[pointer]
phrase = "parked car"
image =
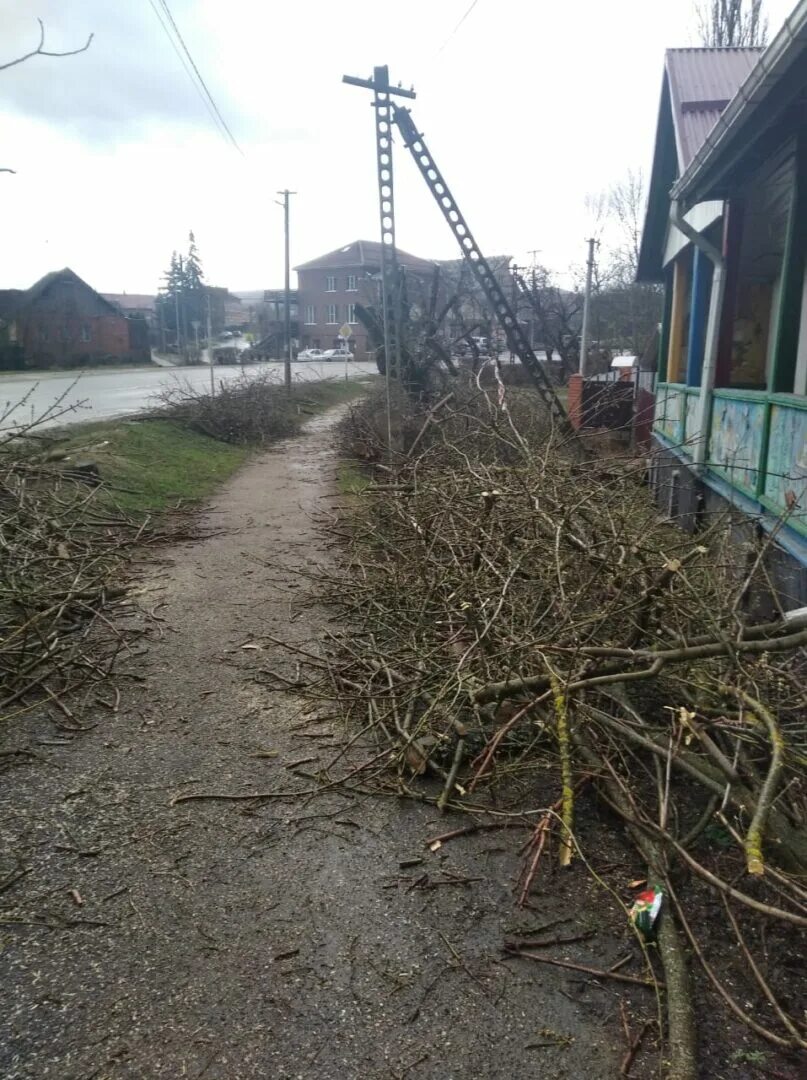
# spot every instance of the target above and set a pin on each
(336, 354)
(226, 354)
(311, 354)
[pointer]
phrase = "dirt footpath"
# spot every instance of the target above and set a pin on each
(294, 937)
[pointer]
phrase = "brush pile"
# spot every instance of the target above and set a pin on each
(511, 602)
(63, 545)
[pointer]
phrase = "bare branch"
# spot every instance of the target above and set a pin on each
(40, 50)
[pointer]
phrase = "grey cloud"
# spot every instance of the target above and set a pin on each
(128, 79)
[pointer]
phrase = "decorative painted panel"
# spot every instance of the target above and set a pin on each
(669, 413)
(737, 435)
(691, 421)
(786, 481)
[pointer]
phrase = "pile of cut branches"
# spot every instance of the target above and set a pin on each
(252, 409)
(63, 544)
(508, 600)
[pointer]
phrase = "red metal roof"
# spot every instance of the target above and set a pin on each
(702, 82)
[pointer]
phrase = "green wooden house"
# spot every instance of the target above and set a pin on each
(726, 231)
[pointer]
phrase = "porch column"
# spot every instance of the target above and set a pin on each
(701, 283)
(664, 340)
(790, 299)
(679, 292)
(732, 240)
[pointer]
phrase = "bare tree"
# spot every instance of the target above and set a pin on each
(626, 205)
(732, 23)
(624, 313)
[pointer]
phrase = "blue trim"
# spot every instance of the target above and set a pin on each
(701, 287)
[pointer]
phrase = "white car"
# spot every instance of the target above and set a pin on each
(311, 354)
(336, 354)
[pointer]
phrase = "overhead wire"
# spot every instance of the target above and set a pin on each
(456, 28)
(193, 71)
(184, 63)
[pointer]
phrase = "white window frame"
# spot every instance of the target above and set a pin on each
(330, 283)
(351, 283)
(332, 315)
(350, 317)
(86, 332)
(310, 315)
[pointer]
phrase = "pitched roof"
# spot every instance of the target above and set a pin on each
(39, 288)
(702, 82)
(362, 253)
(131, 301)
(9, 301)
(776, 84)
(697, 86)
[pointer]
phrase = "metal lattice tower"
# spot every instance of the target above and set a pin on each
(383, 106)
(516, 338)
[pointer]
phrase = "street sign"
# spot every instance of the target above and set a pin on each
(345, 331)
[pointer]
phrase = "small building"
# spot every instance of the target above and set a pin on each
(61, 322)
(135, 305)
(726, 232)
(330, 287)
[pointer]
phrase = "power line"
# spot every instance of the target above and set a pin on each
(233, 140)
(184, 63)
(456, 28)
(193, 72)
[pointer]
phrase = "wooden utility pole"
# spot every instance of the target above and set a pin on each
(586, 306)
(210, 346)
(287, 286)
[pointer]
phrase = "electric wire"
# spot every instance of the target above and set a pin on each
(190, 67)
(224, 124)
(456, 28)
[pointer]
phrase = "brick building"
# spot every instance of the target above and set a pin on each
(330, 287)
(62, 322)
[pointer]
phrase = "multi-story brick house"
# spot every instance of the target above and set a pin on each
(330, 287)
(62, 322)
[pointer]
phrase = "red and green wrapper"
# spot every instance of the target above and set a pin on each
(646, 910)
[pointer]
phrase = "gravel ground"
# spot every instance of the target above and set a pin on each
(238, 940)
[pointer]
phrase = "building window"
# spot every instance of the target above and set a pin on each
(86, 333)
(333, 314)
(330, 284)
(351, 315)
(43, 334)
(310, 315)
(351, 283)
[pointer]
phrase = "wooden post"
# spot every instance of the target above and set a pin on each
(701, 284)
(675, 373)
(790, 297)
(732, 241)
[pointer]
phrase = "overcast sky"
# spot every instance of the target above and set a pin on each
(527, 107)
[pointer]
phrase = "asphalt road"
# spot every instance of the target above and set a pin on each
(98, 395)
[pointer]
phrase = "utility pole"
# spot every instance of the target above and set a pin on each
(210, 347)
(390, 282)
(535, 252)
(586, 306)
(176, 306)
(287, 285)
(514, 298)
